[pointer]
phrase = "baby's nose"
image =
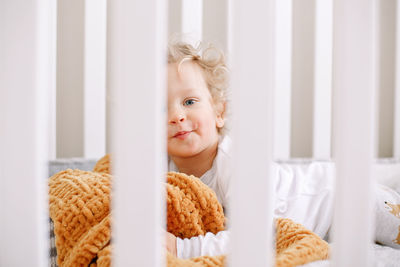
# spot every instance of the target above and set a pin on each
(177, 118)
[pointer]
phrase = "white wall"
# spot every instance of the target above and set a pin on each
(81, 70)
(386, 83)
(215, 22)
(302, 78)
(70, 67)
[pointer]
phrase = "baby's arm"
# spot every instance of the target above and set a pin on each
(170, 243)
(210, 245)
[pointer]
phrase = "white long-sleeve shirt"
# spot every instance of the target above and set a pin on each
(305, 198)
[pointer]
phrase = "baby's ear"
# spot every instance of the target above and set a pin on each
(220, 114)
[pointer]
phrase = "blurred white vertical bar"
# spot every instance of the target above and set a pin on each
(136, 74)
(396, 134)
(252, 85)
(192, 20)
(94, 79)
(283, 78)
(323, 79)
(354, 91)
(26, 67)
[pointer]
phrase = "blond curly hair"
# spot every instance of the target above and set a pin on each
(211, 61)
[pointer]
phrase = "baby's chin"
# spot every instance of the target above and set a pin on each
(182, 155)
(182, 152)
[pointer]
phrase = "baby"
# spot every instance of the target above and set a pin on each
(198, 145)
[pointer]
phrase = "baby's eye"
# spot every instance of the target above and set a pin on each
(189, 102)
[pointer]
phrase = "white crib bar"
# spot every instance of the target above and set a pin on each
(94, 75)
(354, 85)
(136, 73)
(192, 20)
(26, 69)
(323, 80)
(283, 78)
(396, 134)
(252, 83)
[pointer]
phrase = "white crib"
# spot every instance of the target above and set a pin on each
(264, 41)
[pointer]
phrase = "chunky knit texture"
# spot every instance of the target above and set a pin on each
(103, 165)
(191, 207)
(80, 209)
(295, 245)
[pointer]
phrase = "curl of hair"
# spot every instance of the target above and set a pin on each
(212, 62)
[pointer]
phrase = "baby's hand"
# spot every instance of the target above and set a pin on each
(170, 243)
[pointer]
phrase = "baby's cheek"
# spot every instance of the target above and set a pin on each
(209, 126)
(169, 147)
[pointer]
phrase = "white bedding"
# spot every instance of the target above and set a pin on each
(386, 172)
(383, 257)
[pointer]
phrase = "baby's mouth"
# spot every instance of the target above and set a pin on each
(182, 134)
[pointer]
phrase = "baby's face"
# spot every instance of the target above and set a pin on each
(192, 119)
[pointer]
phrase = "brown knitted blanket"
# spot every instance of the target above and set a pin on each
(80, 210)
